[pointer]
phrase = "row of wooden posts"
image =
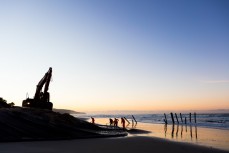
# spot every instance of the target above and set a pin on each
(185, 120)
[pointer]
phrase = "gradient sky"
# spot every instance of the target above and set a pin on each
(117, 54)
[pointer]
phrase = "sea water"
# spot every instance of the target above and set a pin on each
(210, 120)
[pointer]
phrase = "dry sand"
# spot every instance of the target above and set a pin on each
(105, 145)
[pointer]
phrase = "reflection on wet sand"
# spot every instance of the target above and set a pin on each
(203, 136)
(177, 130)
(181, 131)
(196, 131)
(172, 133)
(165, 129)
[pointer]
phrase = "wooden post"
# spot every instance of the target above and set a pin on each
(176, 118)
(181, 118)
(165, 119)
(190, 117)
(172, 117)
(185, 121)
(134, 119)
(195, 116)
(126, 120)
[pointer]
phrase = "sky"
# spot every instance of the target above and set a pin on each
(117, 54)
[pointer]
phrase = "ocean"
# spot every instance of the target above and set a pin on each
(210, 120)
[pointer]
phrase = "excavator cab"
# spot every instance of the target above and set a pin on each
(41, 99)
(37, 104)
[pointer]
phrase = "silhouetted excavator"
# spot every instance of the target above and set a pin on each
(41, 99)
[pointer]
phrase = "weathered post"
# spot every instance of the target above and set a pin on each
(134, 119)
(176, 118)
(165, 119)
(172, 117)
(190, 117)
(126, 120)
(195, 116)
(181, 118)
(185, 121)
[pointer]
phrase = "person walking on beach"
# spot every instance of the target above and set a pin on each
(111, 121)
(115, 122)
(92, 120)
(123, 122)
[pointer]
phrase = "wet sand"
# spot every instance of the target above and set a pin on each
(215, 138)
(106, 145)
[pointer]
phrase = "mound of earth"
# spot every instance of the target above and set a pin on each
(21, 124)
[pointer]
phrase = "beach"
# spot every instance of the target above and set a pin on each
(190, 133)
(144, 138)
(135, 144)
(114, 76)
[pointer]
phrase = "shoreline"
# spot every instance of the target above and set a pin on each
(191, 134)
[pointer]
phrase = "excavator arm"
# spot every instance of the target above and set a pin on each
(41, 84)
(48, 80)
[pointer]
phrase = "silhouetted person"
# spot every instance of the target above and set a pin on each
(111, 121)
(123, 122)
(92, 120)
(115, 122)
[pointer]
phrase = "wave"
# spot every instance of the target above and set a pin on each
(204, 120)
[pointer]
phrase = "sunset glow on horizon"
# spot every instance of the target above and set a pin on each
(117, 55)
